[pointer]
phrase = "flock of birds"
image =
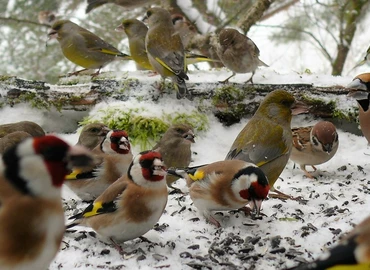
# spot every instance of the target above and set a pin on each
(128, 193)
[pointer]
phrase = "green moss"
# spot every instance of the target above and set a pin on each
(4, 78)
(145, 131)
(227, 95)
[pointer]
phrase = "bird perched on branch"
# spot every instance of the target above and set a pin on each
(266, 140)
(351, 253)
(175, 148)
(31, 215)
(132, 205)
(129, 4)
(84, 48)
(165, 50)
(238, 53)
(112, 159)
(361, 85)
(136, 32)
(92, 135)
(224, 185)
(314, 145)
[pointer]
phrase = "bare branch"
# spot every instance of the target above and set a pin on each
(24, 21)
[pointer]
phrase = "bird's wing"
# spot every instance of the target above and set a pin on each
(86, 172)
(172, 60)
(106, 202)
(97, 44)
(259, 148)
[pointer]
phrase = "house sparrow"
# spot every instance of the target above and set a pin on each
(92, 135)
(112, 159)
(266, 140)
(12, 139)
(314, 145)
(46, 17)
(238, 53)
(84, 48)
(225, 185)
(175, 148)
(165, 50)
(129, 4)
(27, 126)
(136, 32)
(183, 28)
(132, 205)
(351, 253)
(361, 84)
(31, 216)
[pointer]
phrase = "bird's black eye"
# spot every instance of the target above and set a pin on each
(315, 142)
(57, 27)
(126, 24)
(95, 130)
(149, 13)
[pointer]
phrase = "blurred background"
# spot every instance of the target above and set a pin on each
(309, 36)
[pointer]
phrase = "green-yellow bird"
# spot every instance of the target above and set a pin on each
(136, 32)
(266, 140)
(165, 49)
(84, 48)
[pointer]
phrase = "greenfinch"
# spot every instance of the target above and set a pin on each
(136, 32)
(175, 148)
(84, 48)
(92, 4)
(238, 53)
(165, 50)
(266, 140)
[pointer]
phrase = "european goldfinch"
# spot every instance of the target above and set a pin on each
(84, 48)
(314, 145)
(175, 148)
(266, 140)
(92, 135)
(225, 185)
(165, 49)
(132, 205)
(353, 252)
(238, 53)
(31, 213)
(112, 159)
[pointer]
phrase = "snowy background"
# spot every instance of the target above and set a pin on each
(290, 232)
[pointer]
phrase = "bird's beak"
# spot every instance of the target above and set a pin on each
(52, 34)
(299, 107)
(357, 84)
(159, 168)
(256, 206)
(327, 148)
(120, 28)
(189, 136)
(124, 143)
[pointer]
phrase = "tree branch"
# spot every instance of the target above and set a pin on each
(24, 21)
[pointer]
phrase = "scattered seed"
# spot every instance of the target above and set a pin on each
(159, 257)
(185, 254)
(342, 168)
(82, 236)
(252, 240)
(275, 241)
(335, 231)
(199, 266)
(278, 250)
(105, 252)
(247, 249)
(194, 247)
(141, 257)
(194, 219)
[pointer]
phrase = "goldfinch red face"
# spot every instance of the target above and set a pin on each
(252, 185)
(38, 164)
(116, 141)
(147, 169)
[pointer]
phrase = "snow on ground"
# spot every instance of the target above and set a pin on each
(290, 231)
